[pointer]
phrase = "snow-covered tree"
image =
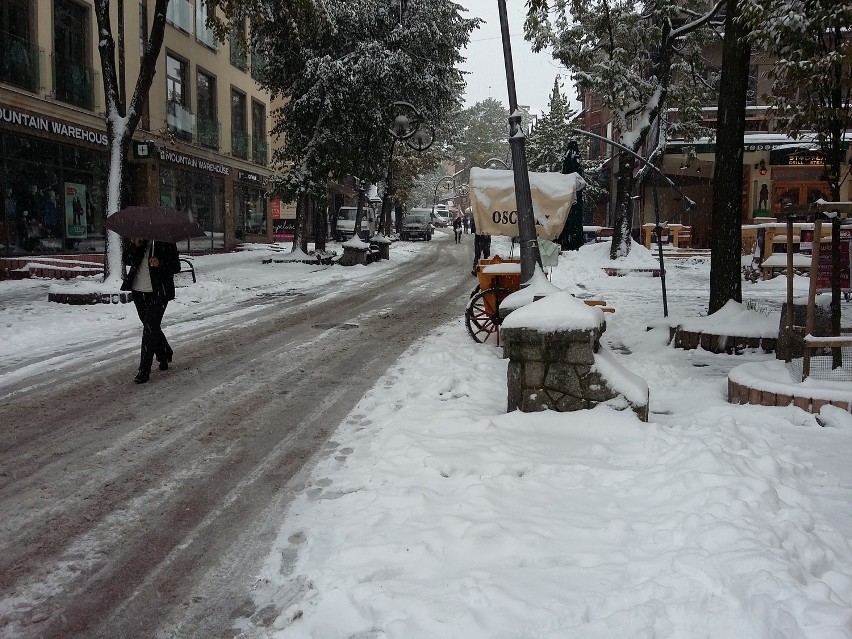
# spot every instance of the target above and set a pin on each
(638, 58)
(484, 134)
(812, 74)
(548, 140)
(340, 78)
(122, 117)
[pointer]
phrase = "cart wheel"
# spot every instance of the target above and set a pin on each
(474, 291)
(481, 316)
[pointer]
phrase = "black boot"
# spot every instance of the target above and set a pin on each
(142, 376)
(164, 365)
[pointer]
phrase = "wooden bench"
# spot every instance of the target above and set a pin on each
(600, 304)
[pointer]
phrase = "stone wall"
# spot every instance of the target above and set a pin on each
(556, 371)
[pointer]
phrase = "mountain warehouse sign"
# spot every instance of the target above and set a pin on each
(38, 123)
(194, 163)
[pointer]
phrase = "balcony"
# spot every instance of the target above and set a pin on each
(208, 132)
(259, 150)
(179, 14)
(19, 62)
(180, 120)
(203, 33)
(239, 144)
(73, 82)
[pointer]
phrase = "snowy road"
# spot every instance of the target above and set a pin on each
(132, 511)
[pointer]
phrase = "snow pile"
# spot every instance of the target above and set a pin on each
(734, 319)
(558, 311)
(439, 516)
(539, 286)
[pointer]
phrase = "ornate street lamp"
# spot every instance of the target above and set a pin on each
(530, 256)
(410, 127)
(491, 162)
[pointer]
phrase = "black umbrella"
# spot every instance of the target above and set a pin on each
(154, 223)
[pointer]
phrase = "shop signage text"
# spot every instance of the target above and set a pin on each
(52, 126)
(194, 163)
(248, 176)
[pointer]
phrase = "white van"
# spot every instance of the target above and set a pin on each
(345, 225)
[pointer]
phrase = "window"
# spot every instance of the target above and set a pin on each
(179, 14)
(73, 78)
(203, 33)
(258, 132)
(239, 57)
(18, 52)
(180, 118)
(208, 125)
(239, 135)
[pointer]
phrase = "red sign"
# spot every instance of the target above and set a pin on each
(276, 209)
(825, 266)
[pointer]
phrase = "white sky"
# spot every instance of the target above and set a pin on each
(534, 72)
(434, 513)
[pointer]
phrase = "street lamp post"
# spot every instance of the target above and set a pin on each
(410, 127)
(451, 183)
(530, 256)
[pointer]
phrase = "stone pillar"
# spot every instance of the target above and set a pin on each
(564, 368)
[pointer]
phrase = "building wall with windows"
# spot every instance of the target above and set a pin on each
(202, 145)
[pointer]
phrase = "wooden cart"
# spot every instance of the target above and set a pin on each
(498, 278)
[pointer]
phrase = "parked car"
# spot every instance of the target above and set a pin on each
(345, 225)
(416, 225)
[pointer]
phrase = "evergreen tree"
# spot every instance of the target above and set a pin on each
(547, 142)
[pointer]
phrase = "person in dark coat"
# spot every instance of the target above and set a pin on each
(481, 246)
(457, 229)
(151, 278)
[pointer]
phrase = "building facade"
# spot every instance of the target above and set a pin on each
(779, 172)
(202, 145)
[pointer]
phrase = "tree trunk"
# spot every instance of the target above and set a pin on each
(320, 225)
(121, 118)
(301, 232)
(623, 207)
(726, 217)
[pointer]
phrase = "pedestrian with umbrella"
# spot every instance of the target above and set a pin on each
(152, 256)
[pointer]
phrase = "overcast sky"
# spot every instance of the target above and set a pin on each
(534, 72)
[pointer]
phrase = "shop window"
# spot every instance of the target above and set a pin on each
(207, 122)
(73, 78)
(258, 133)
(251, 211)
(181, 120)
(787, 195)
(18, 52)
(53, 196)
(239, 133)
(203, 197)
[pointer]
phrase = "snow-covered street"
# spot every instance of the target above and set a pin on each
(429, 511)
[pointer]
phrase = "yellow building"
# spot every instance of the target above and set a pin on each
(202, 145)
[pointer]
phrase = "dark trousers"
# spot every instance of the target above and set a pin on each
(481, 248)
(151, 307)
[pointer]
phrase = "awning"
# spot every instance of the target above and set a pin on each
(492, 199)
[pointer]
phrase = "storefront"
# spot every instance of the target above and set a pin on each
(196, 186)
(796, 179)
(52, 176)
(250, 203)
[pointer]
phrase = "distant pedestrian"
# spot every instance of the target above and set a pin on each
(481, 246)
(151, 278)
(457, 228)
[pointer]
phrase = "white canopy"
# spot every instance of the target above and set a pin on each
(492, 198)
